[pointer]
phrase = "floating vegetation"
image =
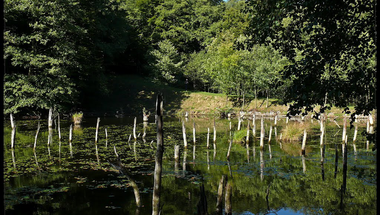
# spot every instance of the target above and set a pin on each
(51, 175)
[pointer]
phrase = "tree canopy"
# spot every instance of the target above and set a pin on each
(306, 53)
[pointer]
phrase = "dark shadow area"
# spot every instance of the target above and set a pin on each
(129, 94)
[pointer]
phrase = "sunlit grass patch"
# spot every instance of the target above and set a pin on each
(294, 131)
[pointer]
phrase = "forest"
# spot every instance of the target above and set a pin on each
(57, 53)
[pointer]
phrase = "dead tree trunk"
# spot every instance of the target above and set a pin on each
(304, 141)
(158, 160)
(35, 139)
(13, 135)
(184, 134)
(97, 130)
(50, 120)
(344, 129)
(262, 134)
(194, 140)
(59, 128)
(134, 129)
(208, 137)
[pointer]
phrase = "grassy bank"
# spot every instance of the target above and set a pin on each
(130, 94)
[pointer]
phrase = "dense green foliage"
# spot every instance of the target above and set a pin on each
(60, 54)
(332, 47)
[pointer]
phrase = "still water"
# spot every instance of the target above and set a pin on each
(79, 179)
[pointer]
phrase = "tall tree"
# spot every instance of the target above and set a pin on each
(54, 50)
(337, 41)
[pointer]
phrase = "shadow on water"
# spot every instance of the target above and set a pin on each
(115, 175)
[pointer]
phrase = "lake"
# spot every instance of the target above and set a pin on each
(81, 179)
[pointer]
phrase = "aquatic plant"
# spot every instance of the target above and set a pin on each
(77, 118)
(293, 131)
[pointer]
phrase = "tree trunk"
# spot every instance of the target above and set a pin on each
(304, 141)
(158, 160)
(13, 135)
(97, 130)
(262, 134)
(184, 134)
(35, 139)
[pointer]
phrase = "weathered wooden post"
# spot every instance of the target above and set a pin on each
(134, 128)
(35, 139)
(304, 141)
(97, 130)
(70, 139)
(194, 140)
(214, 136)
(219, 199)
(275, 119)
(355, 133)
(227, 204)
(247, 138)
(322, 128)
(13, 134)
(184, 134)
(158, 160)
(59, 128)
(105, 131)
(239, 122)
(270, 134)
(262, 134)
(208, 137)
(50, 126)
(50, 136)
(344, 128)
(50, 118)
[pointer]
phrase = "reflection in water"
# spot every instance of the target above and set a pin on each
(261, 165)
(49, 151)
(176, 158)
(35, 158)
(336, 160)
(344, 183)
(120, 167)
(322, 161)
(184, 162)
(202, 204)
(208, 160)
(59, 150)
(282, 170)
(228, 201)
(134, 150)
(219, 200)
(70, 139)
(97, 154)
(13, 158)
(303, 164)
